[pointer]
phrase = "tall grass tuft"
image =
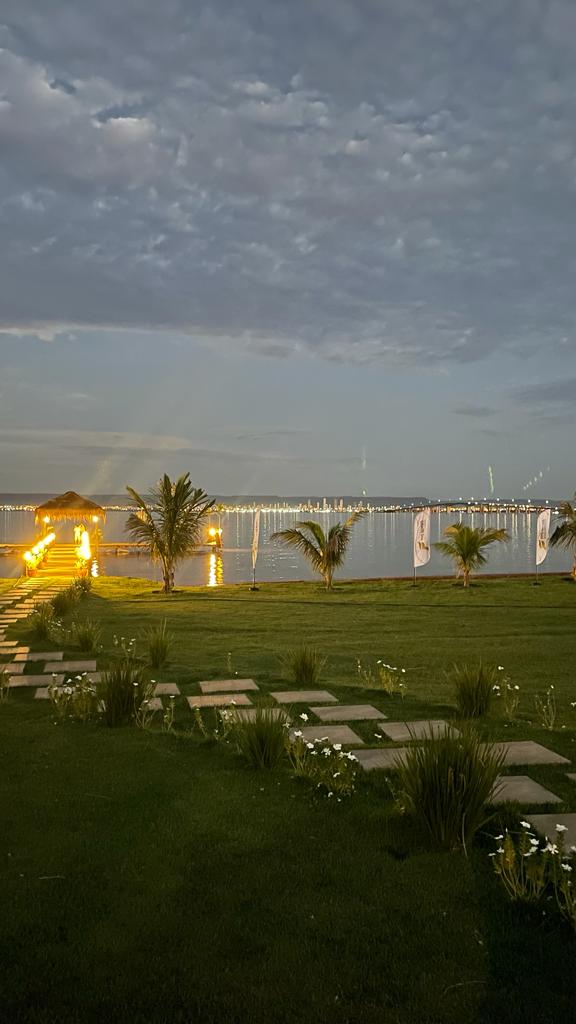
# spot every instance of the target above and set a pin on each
(86, 634)
(303, 665)
(122, 692)
(475, 687)
(41, 621)
(82, 585)
(446, 783)
(261, 739)
(65, 600)
(158, 642)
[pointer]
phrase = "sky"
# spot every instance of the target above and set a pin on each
(322, 246)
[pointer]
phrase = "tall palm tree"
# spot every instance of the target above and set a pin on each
(169, 522)
(324, 551)
(564, 535)
(465, 546)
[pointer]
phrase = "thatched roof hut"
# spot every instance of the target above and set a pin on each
(68, 506)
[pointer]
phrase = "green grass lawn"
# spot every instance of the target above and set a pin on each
(150, 877)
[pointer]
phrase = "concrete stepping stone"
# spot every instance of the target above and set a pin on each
(384, 758)
(304, 696)
(71, 666)
(41, 693)
(330, 733)
(8, 644)
(528, 752)
(227, 685)
(166, 690)
(249, 714)
(348, 712)
(40, 656)
(405, 731)
(14, 667)
(44, 680)
(155, 704)
(571, 776)
(521, 789)
(218, 700)
(545, 824)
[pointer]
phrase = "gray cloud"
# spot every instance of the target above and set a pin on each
(470, 409)
(555, 392)
(365, 182)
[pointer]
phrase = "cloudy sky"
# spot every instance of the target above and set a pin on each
(324, 245)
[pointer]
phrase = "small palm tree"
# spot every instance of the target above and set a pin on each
(169, 522)
(324, 551)
(465, 546)
(564, 535)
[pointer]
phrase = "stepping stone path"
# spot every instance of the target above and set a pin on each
(166, 690)
(528, 752)
(405, 731)
(218, 700)
(348, 713)
(227, 685)
(44, 680)
(249, 714)
(71, 666)
(545, 824)
(39, 656)
(330, 733)
(521, 789)
(304, 697)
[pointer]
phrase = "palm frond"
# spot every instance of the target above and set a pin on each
(294, 538)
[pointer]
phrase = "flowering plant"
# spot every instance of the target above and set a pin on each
(388, 677)
(509, 693)
(327, 766)
(528, 868)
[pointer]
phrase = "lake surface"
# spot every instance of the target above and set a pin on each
(381, 546)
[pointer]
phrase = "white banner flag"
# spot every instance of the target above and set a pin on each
(255, 538)
(542, 535)
(422, 538)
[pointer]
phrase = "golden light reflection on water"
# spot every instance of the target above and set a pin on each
(215, 570)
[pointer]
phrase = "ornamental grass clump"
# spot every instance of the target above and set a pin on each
(42, 620)
(86, 634)
(65, 600)
(262, 739)
(122, 692)
(82, 586)
(303, 665)
(329, 768)
(474, 686)
(446, 783)
(158, 641)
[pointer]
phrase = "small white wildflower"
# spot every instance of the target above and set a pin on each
(566, 867)
(491, 854)
(561, 828)
(526, 824)
(337, 746)
(310, 746)
(498, 837)
(330, 794)
(500, 849)
(533, 842)
(551, 848)
(304, 716)
(298, 734)
(500, 668)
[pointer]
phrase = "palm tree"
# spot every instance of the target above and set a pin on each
(324, 551)
(465, 546)
(169, 522)
(564, 535)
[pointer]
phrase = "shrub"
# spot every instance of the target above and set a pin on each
(42, 621)
(122, 692)
(303, 665)
(261, 739)
(474, 685)
(158, 643)
(86, 634)
(446, 783)
(325, 765)
(82, 586)
(64, 601)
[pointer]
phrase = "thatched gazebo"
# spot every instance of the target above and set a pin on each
(69, 507)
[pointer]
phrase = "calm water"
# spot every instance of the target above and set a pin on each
(381, 546)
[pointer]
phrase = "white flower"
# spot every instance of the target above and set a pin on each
(304, 716)
(526, 824)
(298, 734)
(403, 670)
(337, 746)
(566, 867)
(500, 849)
(310, 746)
(491, 854)
(550, 848)
(533, 841)
(500, 668)
(561, 828)
(498, 837)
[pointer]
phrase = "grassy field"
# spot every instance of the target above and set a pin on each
(156, 878)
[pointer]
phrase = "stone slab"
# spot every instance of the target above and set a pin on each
(218, 700)
(528, 752)
(546, 825)
(304, 697)
(7, 644)
(249, 714)
(41, 693)
(44, 680)
(521, 789)
(155, 704)
(571, 776)
(14, 667)
(71, 666)
(330, 733)
(40, 656)
(166, 690)
(403, 732)
(348, 713)
(227, 685)
(384, 758)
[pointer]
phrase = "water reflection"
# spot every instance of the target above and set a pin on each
(215, 570)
